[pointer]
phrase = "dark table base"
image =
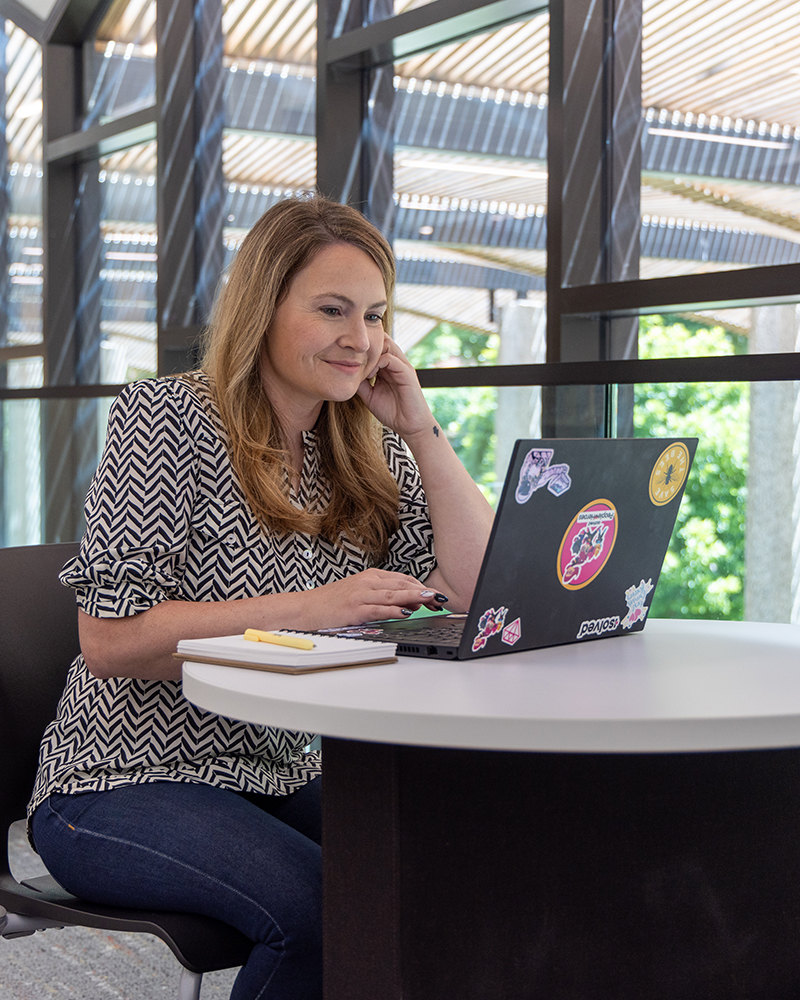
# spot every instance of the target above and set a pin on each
(481, 875)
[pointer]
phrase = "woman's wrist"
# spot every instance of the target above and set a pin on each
(425, 437)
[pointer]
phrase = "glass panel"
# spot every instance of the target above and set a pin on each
(259, 171)
(371, 11)
(50, 449)
(732, 553)
(400, 6)
(721, 136)
(21, 522)
(117, 312)
(467, 416)
(704, 572)
(771, 329)
(379, 10)
(22, 373)
(469, 125)
(766, 329)
(23, 85)
(482, 423)
(269, 150)
(283, 33)
(119, 64)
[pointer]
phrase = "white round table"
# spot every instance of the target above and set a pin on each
(611, 819)
(679, 685)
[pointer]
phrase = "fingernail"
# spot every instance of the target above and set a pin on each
(405, 611)
(427, 593)
(441, 598)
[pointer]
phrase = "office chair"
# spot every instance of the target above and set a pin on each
(38, 642)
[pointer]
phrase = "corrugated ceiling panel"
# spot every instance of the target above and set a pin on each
(283, 30)
(738, 58)
(515, 58)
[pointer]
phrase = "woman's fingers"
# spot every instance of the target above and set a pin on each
(393, 359)
(376, 594)
(393, 394)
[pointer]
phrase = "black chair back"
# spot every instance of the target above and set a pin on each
(38, 641)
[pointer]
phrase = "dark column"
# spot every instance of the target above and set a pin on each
(190, 203)
(355, 119)
(60, 76)
(89, 259)
(71, 306)
(594, 210)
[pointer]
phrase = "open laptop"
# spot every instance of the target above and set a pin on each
(575, 553)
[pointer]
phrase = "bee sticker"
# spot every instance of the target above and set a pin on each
(587, 544)
(669, 473)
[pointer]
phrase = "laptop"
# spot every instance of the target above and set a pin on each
(575, 552)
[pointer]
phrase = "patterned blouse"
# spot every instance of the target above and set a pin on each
(167, 520)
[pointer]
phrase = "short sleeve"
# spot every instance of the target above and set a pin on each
(138, 510)
(411, 546)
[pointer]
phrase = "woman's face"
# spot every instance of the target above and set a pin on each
(327, 333)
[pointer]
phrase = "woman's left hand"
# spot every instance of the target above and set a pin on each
(396, 398)
(460, 515)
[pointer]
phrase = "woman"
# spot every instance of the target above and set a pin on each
(260, 492)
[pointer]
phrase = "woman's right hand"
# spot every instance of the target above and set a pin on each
(372, 595)
(143, 645)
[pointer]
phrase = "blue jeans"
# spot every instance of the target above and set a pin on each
(253, 861)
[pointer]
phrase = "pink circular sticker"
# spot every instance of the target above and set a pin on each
(587, 544)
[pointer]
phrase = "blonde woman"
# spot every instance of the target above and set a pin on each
(298, 480)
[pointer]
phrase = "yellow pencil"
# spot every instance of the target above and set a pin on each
(254, 635)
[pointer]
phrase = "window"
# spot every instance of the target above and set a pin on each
(595, 223)
(720, 182)
(21, 330)
(119, 63)
(268, 146)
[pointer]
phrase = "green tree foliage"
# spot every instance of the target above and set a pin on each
(448, 345)
(704, 570)
(465, 414)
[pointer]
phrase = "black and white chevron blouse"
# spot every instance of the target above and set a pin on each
(167, 520)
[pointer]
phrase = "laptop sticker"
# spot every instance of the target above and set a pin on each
(587, 544)
(669, 473)
(598, 626)
(635, 598)
(537, 472)
(512, 632)
(491, 622)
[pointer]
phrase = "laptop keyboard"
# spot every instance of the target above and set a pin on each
(444, 633)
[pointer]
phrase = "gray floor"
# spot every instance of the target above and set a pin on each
(84, 964)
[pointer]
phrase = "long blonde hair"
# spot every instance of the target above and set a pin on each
(360, 502)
